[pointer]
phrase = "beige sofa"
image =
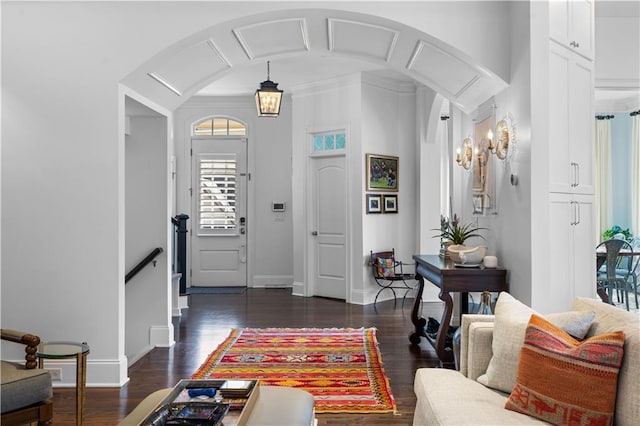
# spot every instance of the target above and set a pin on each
(449, 397)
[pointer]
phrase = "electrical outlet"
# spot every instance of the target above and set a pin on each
(56, 374)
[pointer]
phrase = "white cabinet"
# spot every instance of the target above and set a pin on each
(571, 140)
(571, 24)
(572, 265)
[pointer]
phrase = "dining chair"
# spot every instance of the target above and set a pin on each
(618, 270)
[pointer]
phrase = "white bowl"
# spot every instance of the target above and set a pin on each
(470, 255)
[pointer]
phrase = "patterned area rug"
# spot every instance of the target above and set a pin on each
(340, 367)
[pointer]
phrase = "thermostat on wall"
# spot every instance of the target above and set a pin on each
(278, 206)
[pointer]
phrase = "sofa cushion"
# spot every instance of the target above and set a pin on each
(562, 380)
(511, 319)
(22, 387)
(446, 397)
(610, 318)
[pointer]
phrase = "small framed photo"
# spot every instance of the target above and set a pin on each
(382, 172)
(390, 203)
(374, 203)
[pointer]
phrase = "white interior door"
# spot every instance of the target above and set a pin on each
(328, 259)
(219, 222)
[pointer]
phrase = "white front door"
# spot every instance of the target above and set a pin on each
(219, 222)
(328, 254)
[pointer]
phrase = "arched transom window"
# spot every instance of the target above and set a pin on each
(219, 126)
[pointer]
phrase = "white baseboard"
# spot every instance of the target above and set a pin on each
(298, 289)
(183, 302)
(100, 373)
(263, 281)
(161, 336)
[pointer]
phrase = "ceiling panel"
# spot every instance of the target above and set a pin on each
(273, 37)
(352, 37)
(192, 65)
(436, 65)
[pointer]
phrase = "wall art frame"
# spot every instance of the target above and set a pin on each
(382, 172)
(374, 203)
(390, 203)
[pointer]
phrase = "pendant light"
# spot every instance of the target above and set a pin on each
(268, 98)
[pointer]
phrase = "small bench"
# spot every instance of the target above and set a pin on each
(275, 406)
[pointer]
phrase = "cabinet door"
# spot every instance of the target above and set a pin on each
(581, 127)
(582, 23)
(559, 18)
(560, 285)
(584, 246)
(571, 24)
(571, 143)
(560, 168)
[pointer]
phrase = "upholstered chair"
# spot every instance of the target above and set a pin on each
(26, 389)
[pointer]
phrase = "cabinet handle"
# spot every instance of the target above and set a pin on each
(573, 213)
(577, 174)
(573, 175)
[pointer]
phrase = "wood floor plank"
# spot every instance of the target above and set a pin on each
(210, 317)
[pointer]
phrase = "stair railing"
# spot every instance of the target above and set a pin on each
(144, 262)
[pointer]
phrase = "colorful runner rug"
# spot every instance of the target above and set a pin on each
(340, 367)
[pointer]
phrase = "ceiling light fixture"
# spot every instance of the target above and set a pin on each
(268, 98)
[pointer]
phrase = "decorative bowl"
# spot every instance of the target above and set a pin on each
(462, 254)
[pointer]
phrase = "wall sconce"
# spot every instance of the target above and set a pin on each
(501, 147)
(464, 154)
(268, 98)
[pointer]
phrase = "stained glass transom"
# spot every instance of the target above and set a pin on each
(329, 141)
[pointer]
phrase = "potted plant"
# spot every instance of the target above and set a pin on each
(453, 234)
(615, 230)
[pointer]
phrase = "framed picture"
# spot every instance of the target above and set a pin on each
(382, 172)
(390, 203)
(483, 182)
(374, 203)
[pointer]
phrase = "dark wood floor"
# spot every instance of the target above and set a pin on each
(208, 321)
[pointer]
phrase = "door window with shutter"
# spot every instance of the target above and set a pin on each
(218, 176)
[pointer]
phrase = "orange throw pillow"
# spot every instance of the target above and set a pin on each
(565, 381)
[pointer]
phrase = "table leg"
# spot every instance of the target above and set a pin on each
(419, 323)
(81, 382)
(445, 354)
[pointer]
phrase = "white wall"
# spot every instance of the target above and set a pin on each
(389, 128)
(617, 62)
(321, 108)
(510, 227)
(269, 239)
(147, 294)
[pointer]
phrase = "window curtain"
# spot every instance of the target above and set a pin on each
(635, 175)
(603, 176)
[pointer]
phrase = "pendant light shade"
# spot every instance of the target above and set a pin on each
(268, 98)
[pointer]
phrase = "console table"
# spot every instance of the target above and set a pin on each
(442, 273)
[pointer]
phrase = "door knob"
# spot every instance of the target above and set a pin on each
(314, 233)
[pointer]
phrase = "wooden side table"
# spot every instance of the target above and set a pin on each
(65, 350)
(449, 278)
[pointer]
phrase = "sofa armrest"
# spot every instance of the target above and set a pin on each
(30, 342)
(475, 347)
(480, 349)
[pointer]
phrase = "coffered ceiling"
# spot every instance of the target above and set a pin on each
(310, 46)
